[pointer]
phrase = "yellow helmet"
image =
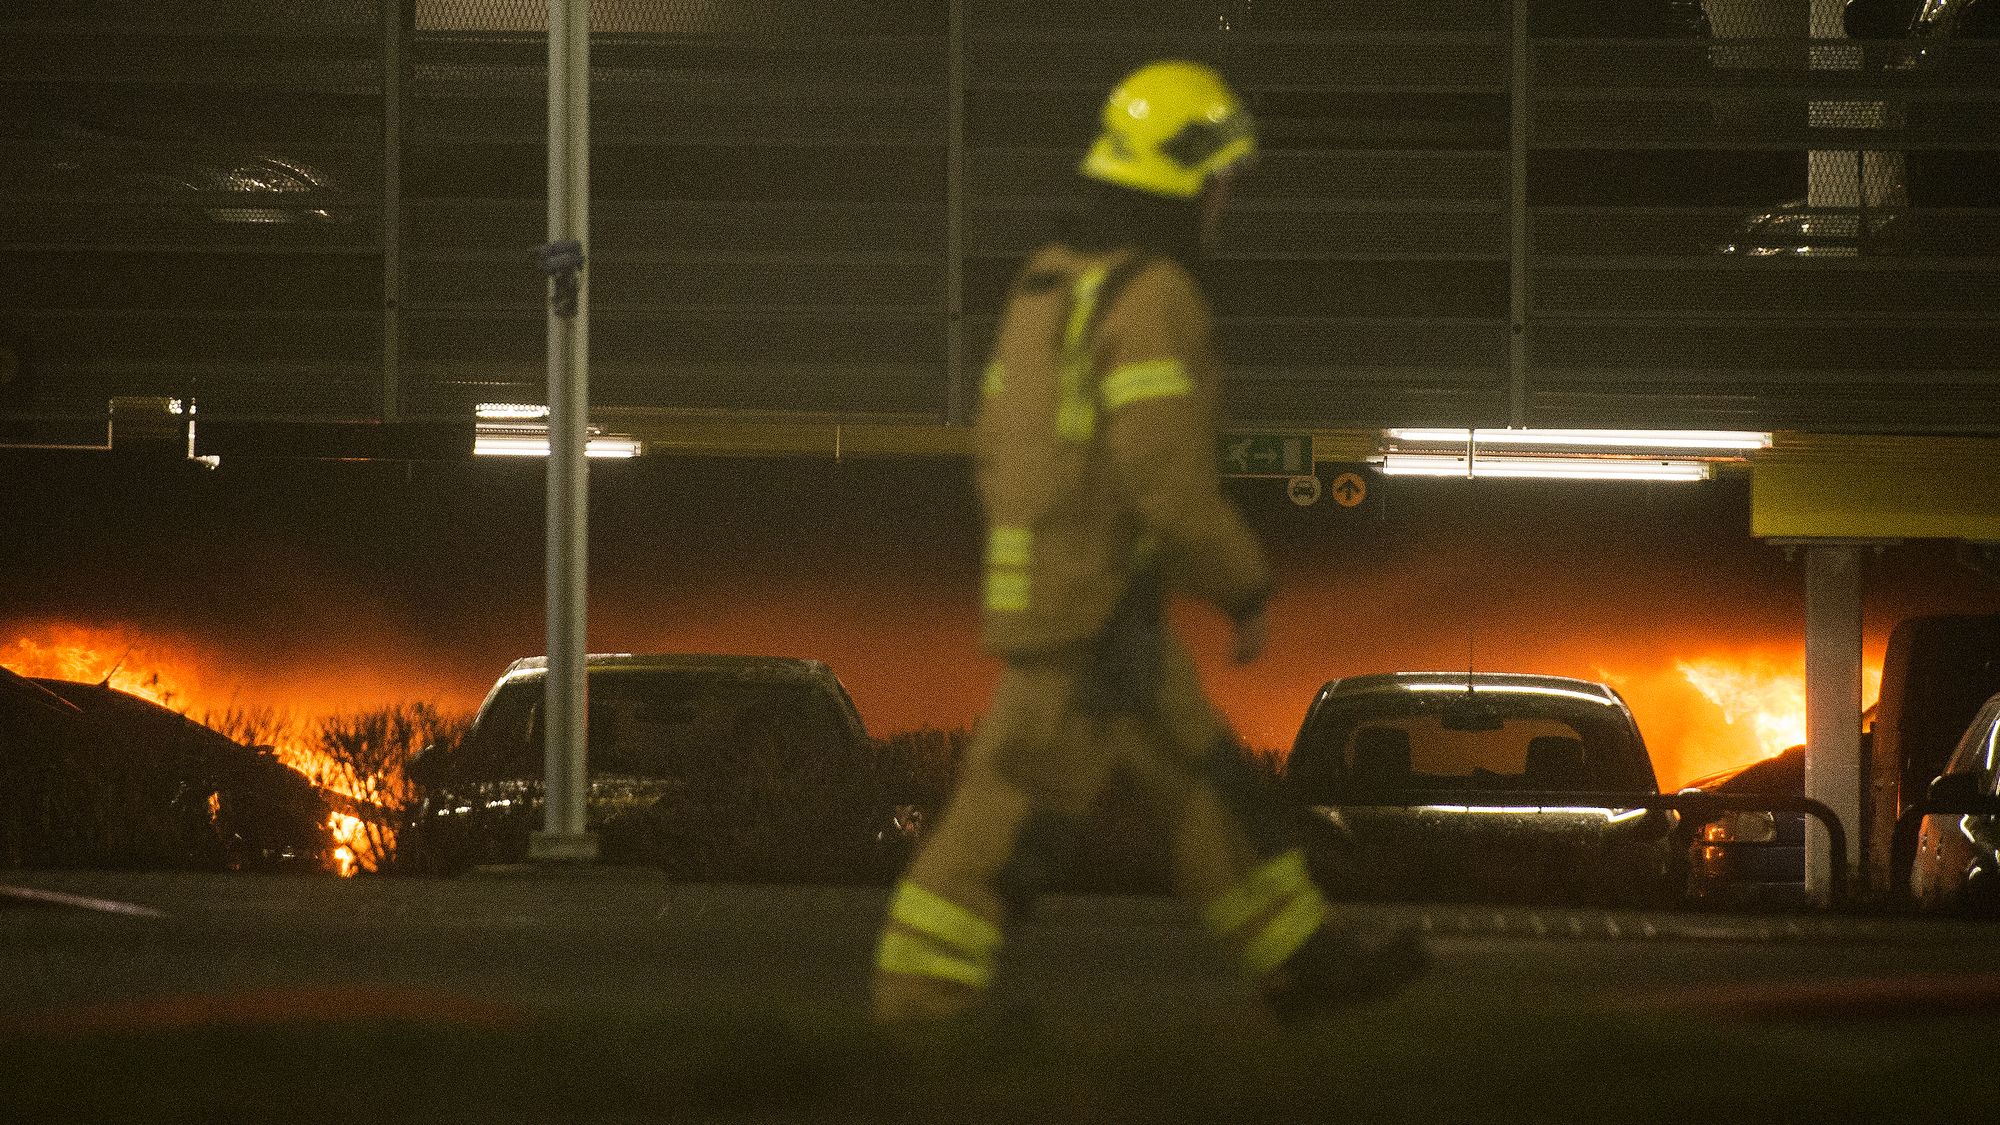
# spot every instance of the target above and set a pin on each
(1168, 127)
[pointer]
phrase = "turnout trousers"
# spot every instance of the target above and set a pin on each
(1036, 763)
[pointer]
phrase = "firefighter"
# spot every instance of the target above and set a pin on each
(1095, 446)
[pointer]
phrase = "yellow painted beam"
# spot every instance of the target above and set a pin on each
(1823, 486)
(721, 435)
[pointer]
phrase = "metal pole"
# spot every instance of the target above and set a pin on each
(565, 834)
(954, 218)
(393, 42)
(1517, 222)
(1833, 704)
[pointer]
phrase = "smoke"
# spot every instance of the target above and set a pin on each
(316, 589)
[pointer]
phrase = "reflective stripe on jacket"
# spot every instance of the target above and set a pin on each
(1092, 442)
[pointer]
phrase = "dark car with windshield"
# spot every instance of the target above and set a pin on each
(712, 766)
(1459, 786)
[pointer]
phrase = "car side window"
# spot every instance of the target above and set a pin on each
(507, 738)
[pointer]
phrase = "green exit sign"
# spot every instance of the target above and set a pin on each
(1265, 455)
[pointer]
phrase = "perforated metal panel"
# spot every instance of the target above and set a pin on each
(190, 204)
(1362, 275)
(1727, 215)
(1774, 226)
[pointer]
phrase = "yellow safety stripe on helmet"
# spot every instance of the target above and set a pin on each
(1009, 546)
(1006, 590)
(1153, 378)
(1076, 406)
(938, 917)
(906, 953)
(1284, 933)
(1259, 892)
(994, 380)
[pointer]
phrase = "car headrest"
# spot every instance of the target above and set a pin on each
(1555, 756)
(1381, 755)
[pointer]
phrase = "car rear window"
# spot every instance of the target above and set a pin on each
(1396, 740)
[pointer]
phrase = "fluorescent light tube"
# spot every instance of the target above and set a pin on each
(1545, 468)
(1722, 440)
(537, 445)
(510, 412)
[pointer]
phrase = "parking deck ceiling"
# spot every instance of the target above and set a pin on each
(324, 211)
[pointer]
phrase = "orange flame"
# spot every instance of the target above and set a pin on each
(169, 674)
(350, 844)
(115, 655)
(1767, 698)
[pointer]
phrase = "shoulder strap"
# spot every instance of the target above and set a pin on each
(1114, 283)
(1091, 296)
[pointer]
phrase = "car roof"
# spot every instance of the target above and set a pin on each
(1478, 681)
(1783, 772)
(728, 666)
(20, 691)
(772, 668)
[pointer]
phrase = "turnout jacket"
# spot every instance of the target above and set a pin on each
(1095, 449)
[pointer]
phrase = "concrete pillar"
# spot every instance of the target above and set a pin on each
(1833, 704)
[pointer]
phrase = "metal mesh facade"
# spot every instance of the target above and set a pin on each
(1666, 213)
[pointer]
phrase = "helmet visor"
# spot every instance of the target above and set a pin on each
(1206, 145)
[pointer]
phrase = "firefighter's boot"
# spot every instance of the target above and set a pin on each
(935, 959)
(1280, 925)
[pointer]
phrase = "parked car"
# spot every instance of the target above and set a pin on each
(177, 180)
(1750, 858)
(1450, 784)
(1795, 230)
(713, 766)
(1957, 865)
(91, 776)
(1938, 672)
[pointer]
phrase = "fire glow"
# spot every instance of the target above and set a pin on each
(117, 657)
(1767, 699)
(171, 675)
(1702, 708)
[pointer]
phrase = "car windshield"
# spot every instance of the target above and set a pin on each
(1399, 739)
(658, 723)
(1979, 750)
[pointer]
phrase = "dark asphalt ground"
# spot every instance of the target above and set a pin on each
(610, 994)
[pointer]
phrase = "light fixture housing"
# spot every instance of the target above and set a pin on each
(528, 444)
(520, 429)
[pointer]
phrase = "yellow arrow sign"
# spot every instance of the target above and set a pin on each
(1349, 490)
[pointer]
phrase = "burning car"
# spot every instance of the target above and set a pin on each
(1454, 785)
(94, 776)
(713, 766)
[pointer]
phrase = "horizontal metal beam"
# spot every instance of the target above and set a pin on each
(1851, 487)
